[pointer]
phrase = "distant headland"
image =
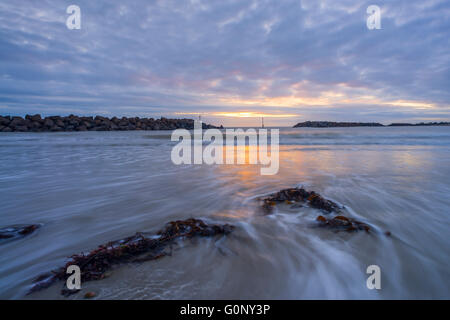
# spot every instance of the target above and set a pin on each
(331, 124)
(35, 123)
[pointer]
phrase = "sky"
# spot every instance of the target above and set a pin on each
(231, 61)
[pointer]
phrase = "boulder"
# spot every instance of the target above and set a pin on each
(55, 128)
(36, 117)
(4, 121)
(87, 124)
(48, 123)
(17, 121)
(21, 128)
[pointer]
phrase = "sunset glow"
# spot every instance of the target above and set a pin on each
(231, 62)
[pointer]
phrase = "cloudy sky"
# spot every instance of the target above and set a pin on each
(230, 60)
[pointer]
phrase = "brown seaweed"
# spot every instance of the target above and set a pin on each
(136, 248)
(342, 223)
(293, 195)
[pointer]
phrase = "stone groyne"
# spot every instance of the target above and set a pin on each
(35, 123)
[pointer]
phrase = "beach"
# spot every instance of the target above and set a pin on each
(88, 188)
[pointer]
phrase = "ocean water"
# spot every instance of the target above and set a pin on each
(89, 188)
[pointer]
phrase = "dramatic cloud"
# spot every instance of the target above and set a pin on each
(231, 60)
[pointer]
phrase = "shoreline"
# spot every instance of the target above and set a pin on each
(73, 123)
(332, 124)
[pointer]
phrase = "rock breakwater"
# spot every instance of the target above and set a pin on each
(35, 123)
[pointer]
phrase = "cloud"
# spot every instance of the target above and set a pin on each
(315, 59)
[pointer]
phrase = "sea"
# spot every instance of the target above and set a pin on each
(88, 188)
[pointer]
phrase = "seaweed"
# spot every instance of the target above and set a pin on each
(342, 223)
(293, 195)
(296, 197)
(136, 248)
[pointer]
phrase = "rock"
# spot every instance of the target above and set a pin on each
(21, 128)
(87, 124)
(74, 122)
(17, 122)
(15, 232)
(35, 125)
(48, 123)
(123, 123)
(36, 117)
(60, 123)
(55, 128)
(4, 121)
